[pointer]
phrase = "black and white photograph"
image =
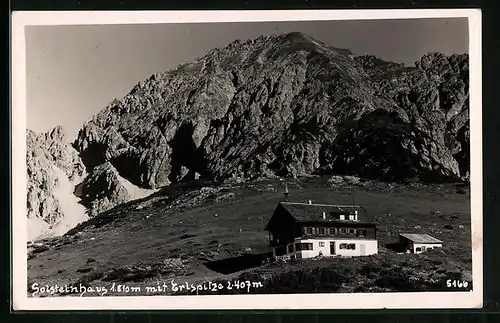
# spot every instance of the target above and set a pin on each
(267, 160)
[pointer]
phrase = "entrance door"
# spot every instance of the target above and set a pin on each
(362, 249)
(332, 248)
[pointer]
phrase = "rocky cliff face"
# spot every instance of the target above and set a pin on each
(431, 142)
(51, 164)
(287, 105)
(61, 194)
(102, 189)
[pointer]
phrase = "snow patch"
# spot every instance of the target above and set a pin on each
(37, 228)
(134, 191)
(73, 212)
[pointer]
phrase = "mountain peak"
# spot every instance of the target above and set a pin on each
(57, 133)
(297, 35)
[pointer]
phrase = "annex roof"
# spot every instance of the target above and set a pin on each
(420, 238)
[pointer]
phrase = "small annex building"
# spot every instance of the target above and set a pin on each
(418, 242)
(306, 230)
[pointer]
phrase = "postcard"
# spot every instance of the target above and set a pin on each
(310, 159)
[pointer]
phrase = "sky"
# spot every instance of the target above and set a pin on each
(75, 71)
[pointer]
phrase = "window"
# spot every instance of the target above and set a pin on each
(351, 217)
(418, 249)
(361, 233)
(352, 231)
(350, 246)
(290, 248)
(342, 217)
(321, 230)
(428, 249)
(331, 231)
(321, 244)
(343, 230)
(303, 246)
(309, 230)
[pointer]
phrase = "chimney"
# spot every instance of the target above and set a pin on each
(309, 202)
(324, 215)
(287, 192)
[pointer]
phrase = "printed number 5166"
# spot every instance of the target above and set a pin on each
(456, 283)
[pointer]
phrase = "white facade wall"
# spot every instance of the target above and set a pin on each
(423, 246)
(322, 247)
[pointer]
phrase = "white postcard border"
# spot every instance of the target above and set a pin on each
(428, 300)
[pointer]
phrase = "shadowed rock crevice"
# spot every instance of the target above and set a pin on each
(463, 156)
(126, 165)
(383, 146)
(93, 155)
(185, 158)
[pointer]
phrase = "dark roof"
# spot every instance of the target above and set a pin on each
(304, 212)
(420, 238)
(317, 236)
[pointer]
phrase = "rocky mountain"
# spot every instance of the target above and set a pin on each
(53, 166)
(104, 188)
(286, 105)
(61, 194)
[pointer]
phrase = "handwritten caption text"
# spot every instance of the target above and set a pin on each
(171, 287)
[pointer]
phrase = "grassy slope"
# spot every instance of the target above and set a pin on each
(146, 232)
